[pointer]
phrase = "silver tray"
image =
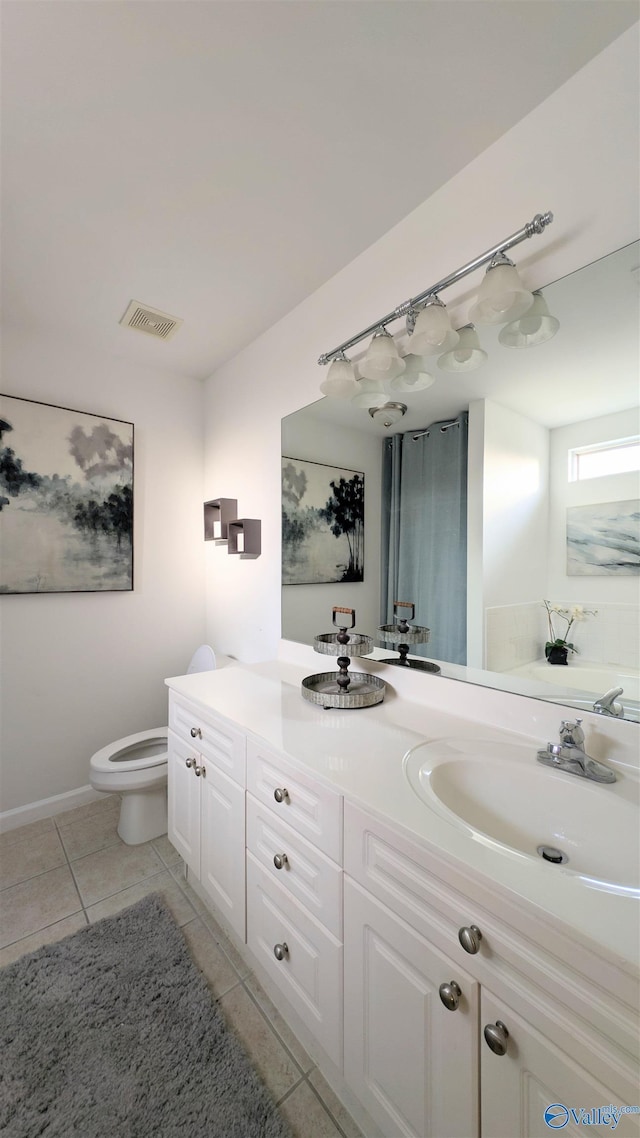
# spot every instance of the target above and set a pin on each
(363, 691)
(329, 645)
(414, 635)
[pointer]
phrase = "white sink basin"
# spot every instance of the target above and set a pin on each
(504, 797)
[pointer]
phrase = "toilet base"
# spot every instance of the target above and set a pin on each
(143, 815)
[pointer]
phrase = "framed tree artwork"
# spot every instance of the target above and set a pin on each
(66, 499)
(322, 523)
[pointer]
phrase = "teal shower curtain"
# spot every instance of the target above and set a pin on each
(424, 533)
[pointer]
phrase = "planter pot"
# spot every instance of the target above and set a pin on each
(557, 655)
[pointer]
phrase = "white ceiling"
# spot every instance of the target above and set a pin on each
(220, 159)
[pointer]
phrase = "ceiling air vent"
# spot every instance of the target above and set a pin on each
(149, 320)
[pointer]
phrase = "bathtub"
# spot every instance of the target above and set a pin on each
(581, 682)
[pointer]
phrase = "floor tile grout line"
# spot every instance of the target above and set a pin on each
(73, 878)
(287, 1094)
(274, 1029)
(319, 1097)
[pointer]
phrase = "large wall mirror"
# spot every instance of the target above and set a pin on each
(534, 515)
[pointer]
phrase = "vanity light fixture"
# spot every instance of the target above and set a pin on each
(432, 331)
(467, 354)
(535, 327)
(502, 295)
(502, 299)
(340, 381)
(383, 360)
(415, 376)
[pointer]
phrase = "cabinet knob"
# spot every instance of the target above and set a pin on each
(280, 860)
(280, 951)
(198, 770)
(450, 995)
(470, 938)
(496, 1036)
(196, 733)
(280, 795)
(189, 763)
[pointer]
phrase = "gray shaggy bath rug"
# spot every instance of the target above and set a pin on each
(113, 1033)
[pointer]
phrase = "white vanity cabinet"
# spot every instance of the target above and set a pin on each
(423, 1068)
(206, 777)
(294, 890)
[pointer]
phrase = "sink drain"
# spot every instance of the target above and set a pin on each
(550, 853)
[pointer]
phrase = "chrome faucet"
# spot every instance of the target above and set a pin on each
(569, 755)
(606, 704)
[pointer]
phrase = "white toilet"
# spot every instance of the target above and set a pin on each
(136, 768)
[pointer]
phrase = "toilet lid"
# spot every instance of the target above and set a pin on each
(203, 660)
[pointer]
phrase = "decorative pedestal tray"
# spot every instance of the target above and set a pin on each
(343, 689)
(403, 635)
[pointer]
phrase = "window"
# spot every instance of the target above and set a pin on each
(616, 457)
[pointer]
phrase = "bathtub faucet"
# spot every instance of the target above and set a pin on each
(569, 755)
(606, 704)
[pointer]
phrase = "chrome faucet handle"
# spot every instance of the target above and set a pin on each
(606, 704)
(571, 733)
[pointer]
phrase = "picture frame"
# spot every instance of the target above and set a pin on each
(603, 540)
(322, 523)
(66, 499)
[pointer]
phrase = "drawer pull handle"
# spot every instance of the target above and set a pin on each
(280, 951)
(280, 860)
(281, 795)
(450, 995)
(470, 938)
(198, 771)
(196, 733)
(496, 1036)
(189, 763)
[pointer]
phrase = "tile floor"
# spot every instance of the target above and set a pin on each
(62, 873)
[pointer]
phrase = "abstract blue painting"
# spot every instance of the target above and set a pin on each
(66, 500)
(322, 523)
(604, 540)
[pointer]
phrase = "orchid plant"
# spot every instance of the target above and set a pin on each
(570, 616)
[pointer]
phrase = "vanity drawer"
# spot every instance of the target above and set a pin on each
(221, 744)
(309, 969)
(303, 869)
(311, 809)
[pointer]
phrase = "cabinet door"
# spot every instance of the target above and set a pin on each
(222, 868)
(533, 1075)
(183, 827)
(412, 1062)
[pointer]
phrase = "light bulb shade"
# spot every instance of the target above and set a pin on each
(432, 332)
(415, 376)
(467, 354)
(369, 393)
(340, 380)
(388, 413)
(382, 360)
(535, 327)
(502, 295)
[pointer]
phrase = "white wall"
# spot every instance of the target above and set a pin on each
(306, 609)
(576, 154)
(82, 669)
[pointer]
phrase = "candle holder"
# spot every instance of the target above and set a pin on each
(343, 689)
(403, 635)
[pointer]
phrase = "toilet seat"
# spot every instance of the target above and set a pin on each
(112, 771)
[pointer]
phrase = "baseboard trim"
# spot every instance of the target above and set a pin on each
(47, 807)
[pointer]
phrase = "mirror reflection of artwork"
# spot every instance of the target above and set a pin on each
(604, 540)
(322, 523)
(66, 500)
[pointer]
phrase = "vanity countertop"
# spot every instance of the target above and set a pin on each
(360, 753)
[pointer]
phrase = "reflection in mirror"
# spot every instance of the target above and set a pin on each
(539, 502)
